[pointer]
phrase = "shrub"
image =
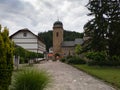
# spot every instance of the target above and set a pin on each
(69, 56)
(114, 61)
(6, 59)
(62, 59)
(102, 59)
(31, 80)
(25, 55)
(97, 58)
(22, 60)
(75, 60)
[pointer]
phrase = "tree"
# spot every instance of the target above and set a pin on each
(78, 49)
(97, 27)
(103, 29)
(6, 59)
(113, 34)
(25, 55)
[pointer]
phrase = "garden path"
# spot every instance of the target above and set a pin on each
(66, 77)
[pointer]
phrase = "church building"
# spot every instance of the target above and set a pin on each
(63, 48)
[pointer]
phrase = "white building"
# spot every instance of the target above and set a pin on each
(29, 41)
(51, 50)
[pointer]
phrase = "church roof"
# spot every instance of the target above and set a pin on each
(72, 43)
(57, 24)
(79, 41)
(68, 43)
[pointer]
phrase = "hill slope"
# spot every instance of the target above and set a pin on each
(68, 36)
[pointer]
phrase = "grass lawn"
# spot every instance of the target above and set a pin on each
(108, 74)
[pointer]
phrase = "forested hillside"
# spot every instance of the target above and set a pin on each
(68, 36)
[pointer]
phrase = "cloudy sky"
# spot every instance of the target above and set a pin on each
(39, 15)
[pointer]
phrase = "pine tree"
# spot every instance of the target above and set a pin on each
(113, 14)
(97, 26)
(104, 28)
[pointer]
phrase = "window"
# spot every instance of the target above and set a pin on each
(57, 34)
(24, 34)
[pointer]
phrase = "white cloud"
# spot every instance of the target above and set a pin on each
(39, 15)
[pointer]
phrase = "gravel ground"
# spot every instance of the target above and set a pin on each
(66, 77)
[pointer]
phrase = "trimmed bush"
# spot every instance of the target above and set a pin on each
(31, 80)
(75, 60)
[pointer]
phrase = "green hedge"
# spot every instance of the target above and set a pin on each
(73, 60)
(26, 55)
(114, 61)
(102, 59)
(96, 58)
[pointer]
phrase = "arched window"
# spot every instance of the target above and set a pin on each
(57, 34)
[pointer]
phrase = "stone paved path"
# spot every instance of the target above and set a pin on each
(66, 77)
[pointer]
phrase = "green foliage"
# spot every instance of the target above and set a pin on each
(75, 60)
(96, 28)
(71, 35)
(103, 29)
(31, 79)
(6, 59)
(114, 61)
(96, 58)
(19, 51)
(62, 59)
(113, 14)
(39, 55)
(68, 36)
(78, 49)
(48, 39)
(69, 56)
(26, 55)
(102, 59)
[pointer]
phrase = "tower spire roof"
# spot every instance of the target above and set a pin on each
(58, 24)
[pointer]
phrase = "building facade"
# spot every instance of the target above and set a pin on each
(63, 48)
(68, 47)
(29, 41)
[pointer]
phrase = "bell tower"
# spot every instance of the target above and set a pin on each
(57, 38)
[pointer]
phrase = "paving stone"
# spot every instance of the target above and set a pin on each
(66, 77)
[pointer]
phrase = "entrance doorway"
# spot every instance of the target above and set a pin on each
(57, 56)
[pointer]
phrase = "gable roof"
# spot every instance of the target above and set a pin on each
(72, 43)
(26, 30)
(79, 41)
(68, 43)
